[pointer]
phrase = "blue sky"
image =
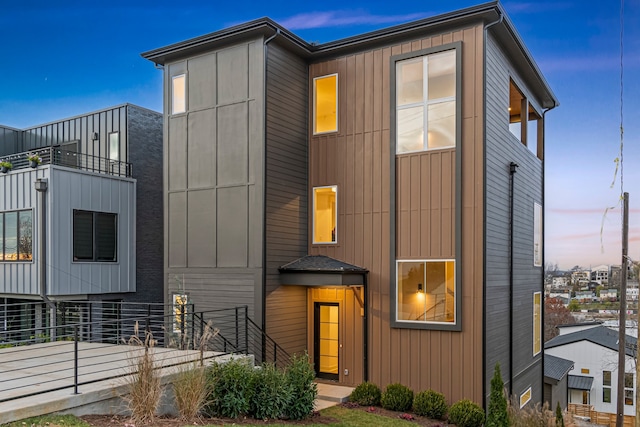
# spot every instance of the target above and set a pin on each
(63, 58)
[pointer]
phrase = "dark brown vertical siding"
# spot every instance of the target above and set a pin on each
(357, 159)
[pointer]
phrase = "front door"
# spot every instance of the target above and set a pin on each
(326, 340)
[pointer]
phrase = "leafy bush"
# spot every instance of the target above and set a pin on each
(366, 394)
(397, 397)
(231, 386)
(191, 390)
(272, 393)
(299, 378)
(465, 413)
(497, 416)
(430, 404)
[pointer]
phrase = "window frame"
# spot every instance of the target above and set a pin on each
(3, 236)
(315, 105)
(628, 389)
(313, 215)
(183, 104)
(537, 323)
(538, 234)
(526, 396)
(606, 386)
(110, 153)
(434, 325)
(457, 98)
(94, 240)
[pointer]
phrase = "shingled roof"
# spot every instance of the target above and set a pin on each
(556, 367)
(600, 335)
(321, 263)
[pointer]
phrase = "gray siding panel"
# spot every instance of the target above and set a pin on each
(502, 148)
(286, 188)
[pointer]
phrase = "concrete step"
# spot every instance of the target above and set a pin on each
(333, 393)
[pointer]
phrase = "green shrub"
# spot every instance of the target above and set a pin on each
(497, 416)
(366, 394)
(299, 378)
(465, 413)
(231, 386)
(397, 397)
(559, 417)
(430, 404)
(271, 394)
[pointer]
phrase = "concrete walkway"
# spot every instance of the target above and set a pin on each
(331, 395)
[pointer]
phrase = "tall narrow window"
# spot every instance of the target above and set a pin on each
(325, 214)
(537, 323)
(517, 114)
(606, 386)
(178, 94)
(114, 146)
(532, 132)
(426, 291)
(628, 389)
(16, 236)
(426, 102)
(94, 236)
(537, 235)
(325, 104)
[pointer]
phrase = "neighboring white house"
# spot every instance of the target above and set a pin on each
(609, 295)
(559, 282)
(594, 379)
(584, 296)
(600, 274)
(581, 277)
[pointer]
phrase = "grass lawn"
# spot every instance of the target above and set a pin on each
(346, 417)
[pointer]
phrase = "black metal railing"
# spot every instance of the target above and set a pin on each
(70, 159)
(79, 341)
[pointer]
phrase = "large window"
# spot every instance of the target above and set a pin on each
(325, 104)
(325, 214)
(628, 389)
(426, 102)
(537, 235)
(524, 120)
(537, 323)
(179, 94)
(16, 236)
(426, 291)
(94, 236)
(606, 386)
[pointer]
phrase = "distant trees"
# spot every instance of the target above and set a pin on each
(555, 313)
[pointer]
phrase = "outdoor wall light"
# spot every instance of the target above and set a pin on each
(419, 287)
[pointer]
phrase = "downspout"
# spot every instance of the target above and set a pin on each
(41, 186)
(484, 231)
(264, 196)
(365, 328)
(512, 171)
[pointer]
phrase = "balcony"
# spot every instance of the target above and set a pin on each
(70, 159)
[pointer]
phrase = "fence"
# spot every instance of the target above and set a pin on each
(601, 418)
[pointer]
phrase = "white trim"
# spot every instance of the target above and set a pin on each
(314, 104)
(522, 395)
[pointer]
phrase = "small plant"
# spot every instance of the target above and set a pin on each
(231, 386)
(366, 394)
(559, 417)
(465, 413)
(272, 393)
(407, 417)
(498, 415)
(191, 390)
(34, 157)
(145, 388)
(299, 376)
(397, 397)
(6, 165)
(430, 404)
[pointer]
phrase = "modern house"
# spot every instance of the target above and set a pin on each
(84, 221)
(376, 201)
(593, 383)
(556, 379)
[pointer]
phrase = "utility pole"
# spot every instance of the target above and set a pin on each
(622, 353)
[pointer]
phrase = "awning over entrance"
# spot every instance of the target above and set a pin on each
(579, 382)
(320, 270)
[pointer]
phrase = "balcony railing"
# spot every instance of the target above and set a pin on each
(69, 159)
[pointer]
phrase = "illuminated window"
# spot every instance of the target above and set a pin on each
(178, 94)
(179, 312)
(537, 235)
(325, 214)
(606, 386)
(426, 102)
(426, 291)
(16, 236)
(537, 323)
(114, 146)
(525, 397)
(94, 236)
(325, 104)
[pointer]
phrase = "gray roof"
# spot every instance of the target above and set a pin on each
(579, 382)
(600, 335)
(556, 367)
(321, 263)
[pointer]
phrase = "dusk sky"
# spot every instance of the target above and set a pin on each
(64, 58)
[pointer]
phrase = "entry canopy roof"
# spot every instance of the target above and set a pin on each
(578, 382)
(320, 270)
